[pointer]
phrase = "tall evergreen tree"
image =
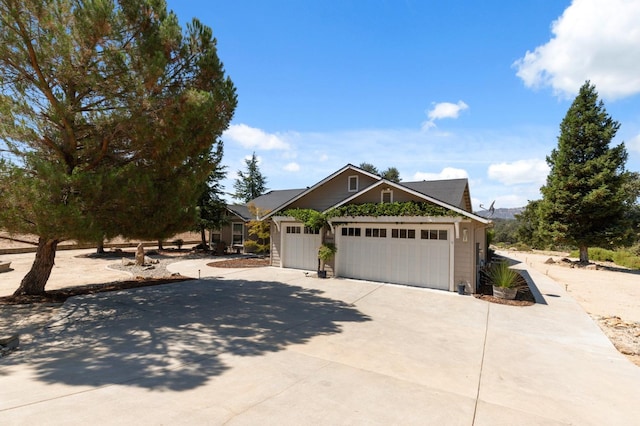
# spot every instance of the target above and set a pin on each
(391, 173)
(368, 167)
(211, 207)
(108, 111)
(250, 184)
(588, 194)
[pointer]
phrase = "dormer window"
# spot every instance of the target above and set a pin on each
(386, 196)
(353, 183)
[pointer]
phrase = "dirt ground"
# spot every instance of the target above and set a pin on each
(610, 295)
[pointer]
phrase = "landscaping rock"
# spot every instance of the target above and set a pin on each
(140, 255)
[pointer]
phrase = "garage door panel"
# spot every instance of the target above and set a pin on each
(301, 249)
(403, 260)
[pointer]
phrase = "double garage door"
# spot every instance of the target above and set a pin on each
(418, 255)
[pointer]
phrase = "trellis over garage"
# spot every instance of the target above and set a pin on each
(433, 251)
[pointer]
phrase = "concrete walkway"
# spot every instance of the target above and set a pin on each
(272, 346)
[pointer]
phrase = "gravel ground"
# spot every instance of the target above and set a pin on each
(154, 270)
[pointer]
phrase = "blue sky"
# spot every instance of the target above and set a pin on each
(438, 89)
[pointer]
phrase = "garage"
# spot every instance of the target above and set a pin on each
(418, 255)
(300, 248)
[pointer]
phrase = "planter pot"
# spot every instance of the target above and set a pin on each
(461, 289)
(505, 293)
(322, 274)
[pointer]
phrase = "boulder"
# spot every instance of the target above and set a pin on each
(127, 262)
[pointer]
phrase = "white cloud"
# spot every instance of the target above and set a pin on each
(292, 167)
(519, 172)
(443, 110)
(634, 144)
(251, 137)
(446, 173)
(596, 40)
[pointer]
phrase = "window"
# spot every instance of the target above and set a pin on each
(351, 232)
(311, 231)
(375, 232)
(215, 237)
(293, 229)
(237, 234)
(386, 196)
(403, 233)
(434, 234)
(353, 183)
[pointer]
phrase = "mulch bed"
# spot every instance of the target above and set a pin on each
(524, 297)
(243, 262)
(59, 296)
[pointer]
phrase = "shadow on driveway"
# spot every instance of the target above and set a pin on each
(173, 336)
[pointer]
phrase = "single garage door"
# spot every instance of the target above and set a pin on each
(418, 255)
(300, 247)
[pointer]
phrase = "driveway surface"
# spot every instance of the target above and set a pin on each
(273, 346)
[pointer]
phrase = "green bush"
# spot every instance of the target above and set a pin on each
(627, 259)
(621, 257)
(501, 275)
(252, 246)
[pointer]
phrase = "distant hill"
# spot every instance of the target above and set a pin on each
(500, 213)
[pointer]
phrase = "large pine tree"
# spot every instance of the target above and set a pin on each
(588, 194)
(108, 113)
(250, 184)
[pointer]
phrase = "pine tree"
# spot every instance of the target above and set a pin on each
(250, 184)
(588, 194)
(391, 173)
(108, 111)
(211, 207)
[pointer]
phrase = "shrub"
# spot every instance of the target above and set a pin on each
(253, 246)
(179, 242)
(501, 275)
(621, 257)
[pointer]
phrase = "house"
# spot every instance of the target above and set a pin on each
(236, 233)
(436, 251)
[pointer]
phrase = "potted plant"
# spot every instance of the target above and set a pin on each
(504, 280)
(325, 254)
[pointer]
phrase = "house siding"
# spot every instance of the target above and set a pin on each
(375, 196)
(332, 192)
(275, 246)
(464, 258)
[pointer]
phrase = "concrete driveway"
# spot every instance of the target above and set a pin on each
(272, 346)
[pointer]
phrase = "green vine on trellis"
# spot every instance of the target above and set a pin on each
(316, 220)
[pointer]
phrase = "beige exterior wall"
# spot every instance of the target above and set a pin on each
(332, 192)
(275, 245)
(465, 265)
(375, 196)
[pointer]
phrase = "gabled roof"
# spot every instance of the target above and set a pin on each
(265, 202)
(322, 182)
(402, 187)
(273, 199)
(452, 194)
(240, 210)
(451, 191)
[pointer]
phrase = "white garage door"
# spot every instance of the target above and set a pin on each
(402, 254)
(300, 247)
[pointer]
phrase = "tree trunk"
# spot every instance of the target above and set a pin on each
(33, 283)
(100, 248)
(203, 238)
(584, 254)
(160, 247)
